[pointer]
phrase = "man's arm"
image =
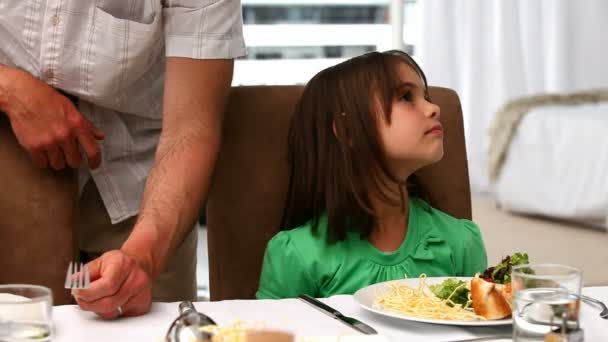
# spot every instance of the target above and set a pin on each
(194, 100)
(195, 96)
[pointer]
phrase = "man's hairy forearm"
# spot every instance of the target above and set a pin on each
(174, 194)
(195, 96)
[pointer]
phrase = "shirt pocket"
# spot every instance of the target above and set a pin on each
(121, 54)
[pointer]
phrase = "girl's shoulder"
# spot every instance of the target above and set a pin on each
(446, 224)
(304, 238)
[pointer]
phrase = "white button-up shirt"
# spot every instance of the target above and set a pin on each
(111, 55)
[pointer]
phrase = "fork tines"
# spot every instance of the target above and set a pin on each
(77, 276)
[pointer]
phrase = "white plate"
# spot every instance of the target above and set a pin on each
(366, 296)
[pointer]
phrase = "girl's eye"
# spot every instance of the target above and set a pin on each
(427, 97)
(408, 96)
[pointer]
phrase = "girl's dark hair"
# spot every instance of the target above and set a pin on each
(333, 172)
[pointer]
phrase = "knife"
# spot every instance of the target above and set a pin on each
(351, 322)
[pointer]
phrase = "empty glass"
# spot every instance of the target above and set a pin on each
(25, 313)
(546, 303)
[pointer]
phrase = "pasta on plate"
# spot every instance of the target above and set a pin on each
(422, 302)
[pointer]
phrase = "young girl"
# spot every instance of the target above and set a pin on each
(360, 129)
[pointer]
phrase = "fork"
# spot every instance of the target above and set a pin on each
(589, 300)
(77, 276)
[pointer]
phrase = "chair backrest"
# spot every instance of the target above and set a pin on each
(38, 209)
(250, 183)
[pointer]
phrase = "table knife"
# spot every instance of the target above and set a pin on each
(351, 322)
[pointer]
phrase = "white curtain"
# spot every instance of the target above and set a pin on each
(490, 51)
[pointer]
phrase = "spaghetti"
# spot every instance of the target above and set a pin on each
(421, 302)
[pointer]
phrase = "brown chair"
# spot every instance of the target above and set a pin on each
(37, 218)
(250, 183)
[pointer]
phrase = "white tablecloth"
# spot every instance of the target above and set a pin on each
(72, 324)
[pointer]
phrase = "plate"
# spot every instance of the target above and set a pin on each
(366, 296)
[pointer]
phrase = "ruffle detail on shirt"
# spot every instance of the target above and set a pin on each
(424, 250)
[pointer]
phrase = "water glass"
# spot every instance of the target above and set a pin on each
(25, 313)
(546, 303)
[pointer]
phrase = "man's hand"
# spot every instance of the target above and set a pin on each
(117, 281)
(46, 123)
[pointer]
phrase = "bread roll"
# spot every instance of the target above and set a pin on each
(492, 301)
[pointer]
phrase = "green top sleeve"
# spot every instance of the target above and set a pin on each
(284, 274)
(473, 256)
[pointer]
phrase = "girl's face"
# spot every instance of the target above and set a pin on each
(414, 137)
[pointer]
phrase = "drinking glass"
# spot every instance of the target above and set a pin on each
(546, 302)
(25, 313)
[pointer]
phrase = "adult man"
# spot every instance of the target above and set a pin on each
(131, 67)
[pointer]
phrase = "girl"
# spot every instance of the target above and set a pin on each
(360, 129)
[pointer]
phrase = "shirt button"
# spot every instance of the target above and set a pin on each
(48, 74)
(55, 20)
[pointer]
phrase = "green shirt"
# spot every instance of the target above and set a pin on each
(300, 261)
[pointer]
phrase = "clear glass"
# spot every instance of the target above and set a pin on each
(25, 313)
(546, 302)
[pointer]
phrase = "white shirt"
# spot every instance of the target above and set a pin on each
(111, 55)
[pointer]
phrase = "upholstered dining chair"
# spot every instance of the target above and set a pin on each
(38, 210)
(250, 182)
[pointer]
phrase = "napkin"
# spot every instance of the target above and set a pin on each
(345, 338)
(9, 297)
(277, 336)
(9, 309)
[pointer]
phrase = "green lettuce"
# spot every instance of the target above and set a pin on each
(501, 273)
(445, 289)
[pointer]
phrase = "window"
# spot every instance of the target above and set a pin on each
(289, 41)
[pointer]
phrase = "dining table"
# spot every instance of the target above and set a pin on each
(296, 317)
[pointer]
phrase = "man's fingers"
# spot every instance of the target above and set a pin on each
(109, 315)
(71, 153)
(95, 266)
(91, 148)
(107, 276)
(86, 135)
(39, 158)
(138, 304)
(94, 131)
(55, 157)
(107, 305)
(105, 286)
(135, 306)
(133, 297)
(99, 135)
